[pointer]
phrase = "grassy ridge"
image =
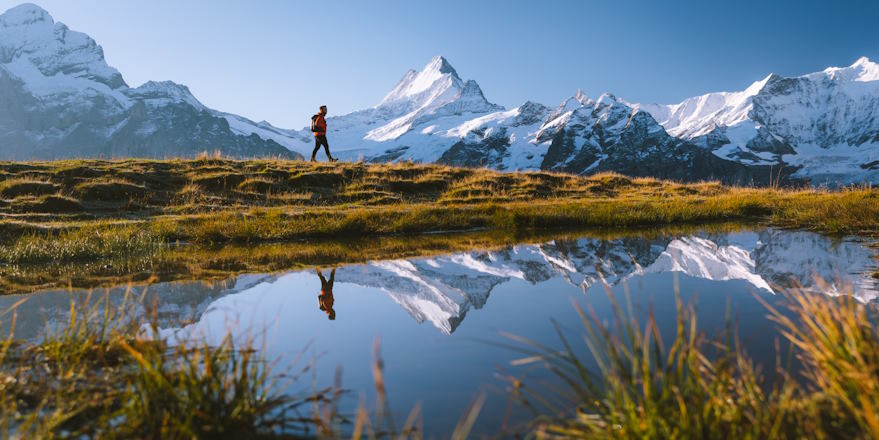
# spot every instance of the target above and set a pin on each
(130, 212)
(216, 200)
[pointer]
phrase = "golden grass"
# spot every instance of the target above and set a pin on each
(700, 388)
(211, 200)
(105, 374)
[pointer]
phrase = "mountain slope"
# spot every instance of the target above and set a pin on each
(610, 135)
(61, 99)
(826, 124)
(821, 127)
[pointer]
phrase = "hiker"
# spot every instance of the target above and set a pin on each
(319, 128)
(325, 299)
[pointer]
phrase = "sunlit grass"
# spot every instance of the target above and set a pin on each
(97, 376)
(213, 201)
(103, 373)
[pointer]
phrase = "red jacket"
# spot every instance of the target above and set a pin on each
(326, 300)
(320, 125)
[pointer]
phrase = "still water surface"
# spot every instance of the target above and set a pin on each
(439, 319)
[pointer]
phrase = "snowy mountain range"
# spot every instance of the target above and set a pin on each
(61, 99)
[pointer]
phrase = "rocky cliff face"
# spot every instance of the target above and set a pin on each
(609, 135)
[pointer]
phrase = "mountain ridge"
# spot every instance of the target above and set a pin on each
(63, 101)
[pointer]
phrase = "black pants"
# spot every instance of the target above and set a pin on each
(318, 141)
(327, 286)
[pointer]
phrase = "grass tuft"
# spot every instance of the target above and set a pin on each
(50, 204)
(12, 188)
(112, 190)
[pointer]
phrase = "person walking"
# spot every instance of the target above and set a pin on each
(319, 128)
(325, 298)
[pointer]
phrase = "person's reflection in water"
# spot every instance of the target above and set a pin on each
(325, 299)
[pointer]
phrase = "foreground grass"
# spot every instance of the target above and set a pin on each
(104, 375)
(699, 388)
(100, 377)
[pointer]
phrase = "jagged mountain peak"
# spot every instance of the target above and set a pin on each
(441, 65)
(165, 86)
(581, 97)
(162, 91)
(25, 14)
(420, 97)
(757, 86)
(608, 99)
(572, 103)
(436, 77)
(863, 61)
(48, 56)
(862, 70)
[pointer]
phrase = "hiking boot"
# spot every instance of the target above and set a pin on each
(312, 159)
(333, 159)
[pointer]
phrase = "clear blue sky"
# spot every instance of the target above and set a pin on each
(278, 60)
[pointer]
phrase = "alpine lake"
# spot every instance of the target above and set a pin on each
(449, 329)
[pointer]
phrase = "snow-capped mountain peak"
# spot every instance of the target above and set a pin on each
(581, 97)
(822, 125)
(64, 100)
(862, 70)
(436, 77)
(163, 92)
(577, 101)
(49, 56)
(434, 92)
(26, 14)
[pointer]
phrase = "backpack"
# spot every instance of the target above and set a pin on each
(314, 128)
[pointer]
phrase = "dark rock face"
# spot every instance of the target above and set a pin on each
(390, 155)
(612, 137)
(486, 152)
(530, 113)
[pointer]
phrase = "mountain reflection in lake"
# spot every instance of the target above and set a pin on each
(434, 315)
